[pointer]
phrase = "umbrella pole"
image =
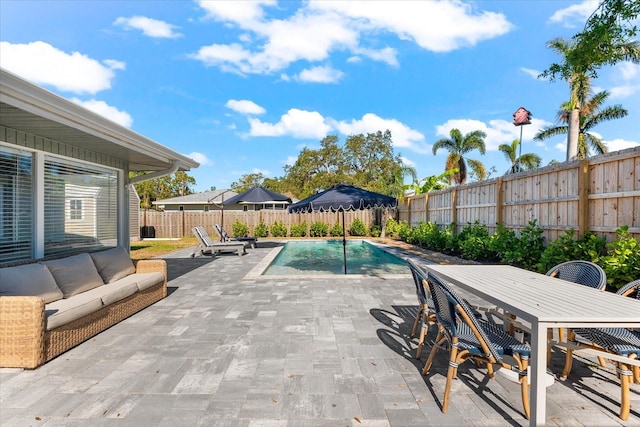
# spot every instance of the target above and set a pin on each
(344, 243)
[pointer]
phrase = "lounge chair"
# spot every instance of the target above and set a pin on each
(208, 247)
(224, 237)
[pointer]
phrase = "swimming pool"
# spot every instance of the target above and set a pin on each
(301, 258)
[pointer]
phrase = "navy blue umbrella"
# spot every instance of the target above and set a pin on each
(341, 198)
(257, 195)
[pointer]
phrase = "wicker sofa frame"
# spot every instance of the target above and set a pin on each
(26, 343)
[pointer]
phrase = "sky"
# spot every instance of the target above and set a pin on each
(243, 86)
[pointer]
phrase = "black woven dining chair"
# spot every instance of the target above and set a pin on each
(616, 341)
(472, 338)
(426, 312)
(585, 273)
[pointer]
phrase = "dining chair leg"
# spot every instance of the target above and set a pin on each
(625, 377)
(451, 374)
(416, 322)
(524, 384)
(440, 339)
(423, 332)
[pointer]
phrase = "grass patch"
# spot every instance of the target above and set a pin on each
(145, 249)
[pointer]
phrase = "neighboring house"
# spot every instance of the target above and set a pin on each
(64, 174)
(206, 201)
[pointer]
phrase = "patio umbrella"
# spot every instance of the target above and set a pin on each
(341, 198)
(257, 195)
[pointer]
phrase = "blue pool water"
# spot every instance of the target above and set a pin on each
(326, 257)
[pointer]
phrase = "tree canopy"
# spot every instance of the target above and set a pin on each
(367, 161)
(165, 187)
(458, 146)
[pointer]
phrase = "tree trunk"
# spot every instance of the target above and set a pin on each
(572, 135)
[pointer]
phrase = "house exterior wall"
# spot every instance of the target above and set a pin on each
(43, 146)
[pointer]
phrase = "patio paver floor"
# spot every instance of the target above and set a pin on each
(224, 351)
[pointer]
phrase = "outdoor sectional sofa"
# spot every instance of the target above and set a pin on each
(50, 306)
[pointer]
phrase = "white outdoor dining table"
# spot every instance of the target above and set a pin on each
(544, 302)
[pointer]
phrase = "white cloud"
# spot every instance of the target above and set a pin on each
(531, 72)
(408, 162)
(562, 147)
(627, 75)
(498, 131)
(74, 72)
(244, 107)
(438, 26)
(620, 144)
(149, 27)
(295, 123)
(575, 15)
(269, 45)
(290, 161)
(323, 74)
(107, 111)
(200, 158)
(402, 135)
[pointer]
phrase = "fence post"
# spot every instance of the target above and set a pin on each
(499, 200)
(454, 209)
(426, 207)
(583, 197)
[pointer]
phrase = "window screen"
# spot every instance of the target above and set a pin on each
(80, 207)
(16, 205)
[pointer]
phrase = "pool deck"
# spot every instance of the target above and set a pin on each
(224, 349)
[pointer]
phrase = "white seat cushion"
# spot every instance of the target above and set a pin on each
(146, 280)
(63, 311)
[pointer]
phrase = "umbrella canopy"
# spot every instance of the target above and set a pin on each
(343, 197)
(257, 195)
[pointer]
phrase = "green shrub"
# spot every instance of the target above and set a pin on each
(240, 229)
(473, 241)
(278, 229)
(299, 230)
(392, 227)
(405, 232)
(376, 230)
(566, 248)
(503, 243)
(358, 228)
(261, 230)
(622, 262)
(530, 247)
(319, 229)
(336, 230)
(451, 240)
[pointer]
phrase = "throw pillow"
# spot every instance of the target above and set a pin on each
(74, 274)
(29, 280)
(113, 264)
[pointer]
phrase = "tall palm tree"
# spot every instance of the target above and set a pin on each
(577, 68)
(524, 162)
(459, 145)
(590, 114)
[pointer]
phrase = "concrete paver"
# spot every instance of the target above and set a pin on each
(224, 350)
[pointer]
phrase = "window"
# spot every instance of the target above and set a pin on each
(206, 208)
(80, 206)
(75, 209)
(16, 205)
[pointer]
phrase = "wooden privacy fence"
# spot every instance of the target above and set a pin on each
(177, 224)
(599, 195)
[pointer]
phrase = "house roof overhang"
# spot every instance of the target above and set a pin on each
(32, 109)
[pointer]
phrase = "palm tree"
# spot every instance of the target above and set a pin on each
(459, 145)
(524, 162)
(590, 114)
(577, 68)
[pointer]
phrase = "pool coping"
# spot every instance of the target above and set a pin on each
(257, 271)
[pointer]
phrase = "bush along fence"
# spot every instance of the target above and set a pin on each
(599, 194)
(620, 258)
(263, 223)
